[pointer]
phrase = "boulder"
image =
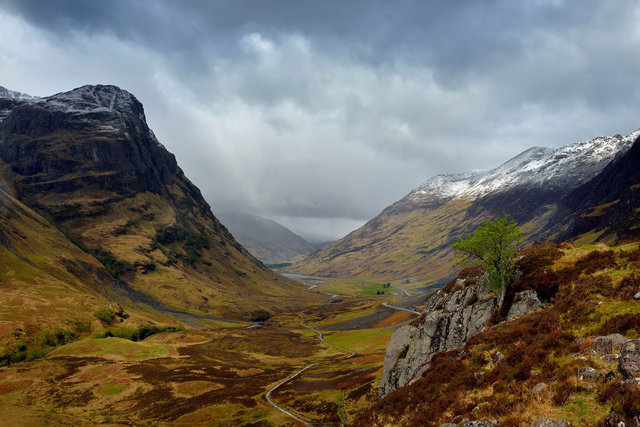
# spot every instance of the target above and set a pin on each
(629, 360)
(538, 388)
(614, 420)
(497, 356)
(588, 374)
(523, 303)
(607, 344)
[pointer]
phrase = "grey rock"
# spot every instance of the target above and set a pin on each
(449, 320)
(544, 422)
(637, 296)
(607, 344)
(523, 303)
(610, 358)
(588, 374)
(448, 425)
(538, 387)
(629, 360)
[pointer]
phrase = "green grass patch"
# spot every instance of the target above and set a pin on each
(115, 347)
(110, 389)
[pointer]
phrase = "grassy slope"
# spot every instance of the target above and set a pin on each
(45, 280)
(594, 297)
(397, 244)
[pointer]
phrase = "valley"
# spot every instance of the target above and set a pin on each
(226, 375)
(126, 301)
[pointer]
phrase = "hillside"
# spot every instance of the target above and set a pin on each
(87, 162)
(46, 281)
(412, 238)
(265, 239)
(575, 361)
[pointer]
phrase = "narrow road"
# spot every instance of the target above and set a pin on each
(351, 353)
(410, 310)
(268, 395)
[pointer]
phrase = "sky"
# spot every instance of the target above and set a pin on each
(319, 114)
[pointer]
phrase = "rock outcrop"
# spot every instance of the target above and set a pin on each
(449, 320)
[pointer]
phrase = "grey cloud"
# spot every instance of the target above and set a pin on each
(332, 110)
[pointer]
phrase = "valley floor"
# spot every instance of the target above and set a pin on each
(221, 376)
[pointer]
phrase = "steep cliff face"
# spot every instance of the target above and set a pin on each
(450, 318)
(87, 161)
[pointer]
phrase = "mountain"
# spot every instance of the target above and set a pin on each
(412, 238)
(605, 209)
(86, 162)
(267, 240)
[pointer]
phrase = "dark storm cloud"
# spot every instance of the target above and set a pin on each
(330, 110)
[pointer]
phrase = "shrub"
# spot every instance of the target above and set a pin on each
(628, 287)
(139, 333)
(621, 324)
(624, 397)
(596, 261)
(106, 315)
(112, 265)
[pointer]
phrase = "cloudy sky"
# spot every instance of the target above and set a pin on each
(320, 113)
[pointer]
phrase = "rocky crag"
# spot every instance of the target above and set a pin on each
(450, 318)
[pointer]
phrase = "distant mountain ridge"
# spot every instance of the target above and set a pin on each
(87, 162)
(412, 238)
(270, 242)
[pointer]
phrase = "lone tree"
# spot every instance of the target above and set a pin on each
(493, 246)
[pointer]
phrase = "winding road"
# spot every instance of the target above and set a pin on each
(321, 337)
(410, 310)
(268, 395)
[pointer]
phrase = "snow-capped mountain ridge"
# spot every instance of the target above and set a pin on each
(11, 94)
(561, 169)
(85, 99)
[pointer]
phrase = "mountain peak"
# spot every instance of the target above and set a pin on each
(98, 97)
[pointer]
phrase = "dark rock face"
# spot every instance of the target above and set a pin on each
(93, 135)
(629, 360)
